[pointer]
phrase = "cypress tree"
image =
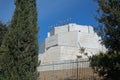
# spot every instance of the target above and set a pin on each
(20, 45)
(108, 64)
(3, 30)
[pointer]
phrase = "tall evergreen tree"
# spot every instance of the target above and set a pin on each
(3, 30)
(110, 19)
(108, 64)
(20, 45)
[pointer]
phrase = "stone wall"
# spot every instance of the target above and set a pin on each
(67, 70)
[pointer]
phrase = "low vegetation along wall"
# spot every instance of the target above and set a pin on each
(67, 70)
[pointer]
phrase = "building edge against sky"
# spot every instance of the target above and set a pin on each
(69, 42)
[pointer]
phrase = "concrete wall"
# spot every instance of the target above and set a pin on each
(61, 29)
(62, 39)
(65, 42)
(52, 54)
(68, 39)
(68, 53)
(81, 28)
(64, 64)
(51, 41)
(71, 27)
(71, 35)
(89, 40)
(42, 47)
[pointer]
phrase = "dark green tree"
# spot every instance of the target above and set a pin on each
(3, 30)
(108, 64)
(19, 48)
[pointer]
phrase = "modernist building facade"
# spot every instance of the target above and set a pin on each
(69, 42)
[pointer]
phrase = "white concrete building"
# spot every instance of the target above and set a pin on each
(70, 42)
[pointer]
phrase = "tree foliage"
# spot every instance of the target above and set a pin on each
(3, 30)
(20, 46)
(108, 64)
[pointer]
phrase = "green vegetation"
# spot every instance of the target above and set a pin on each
(3, 30)
(108, 64)
(19, 48)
